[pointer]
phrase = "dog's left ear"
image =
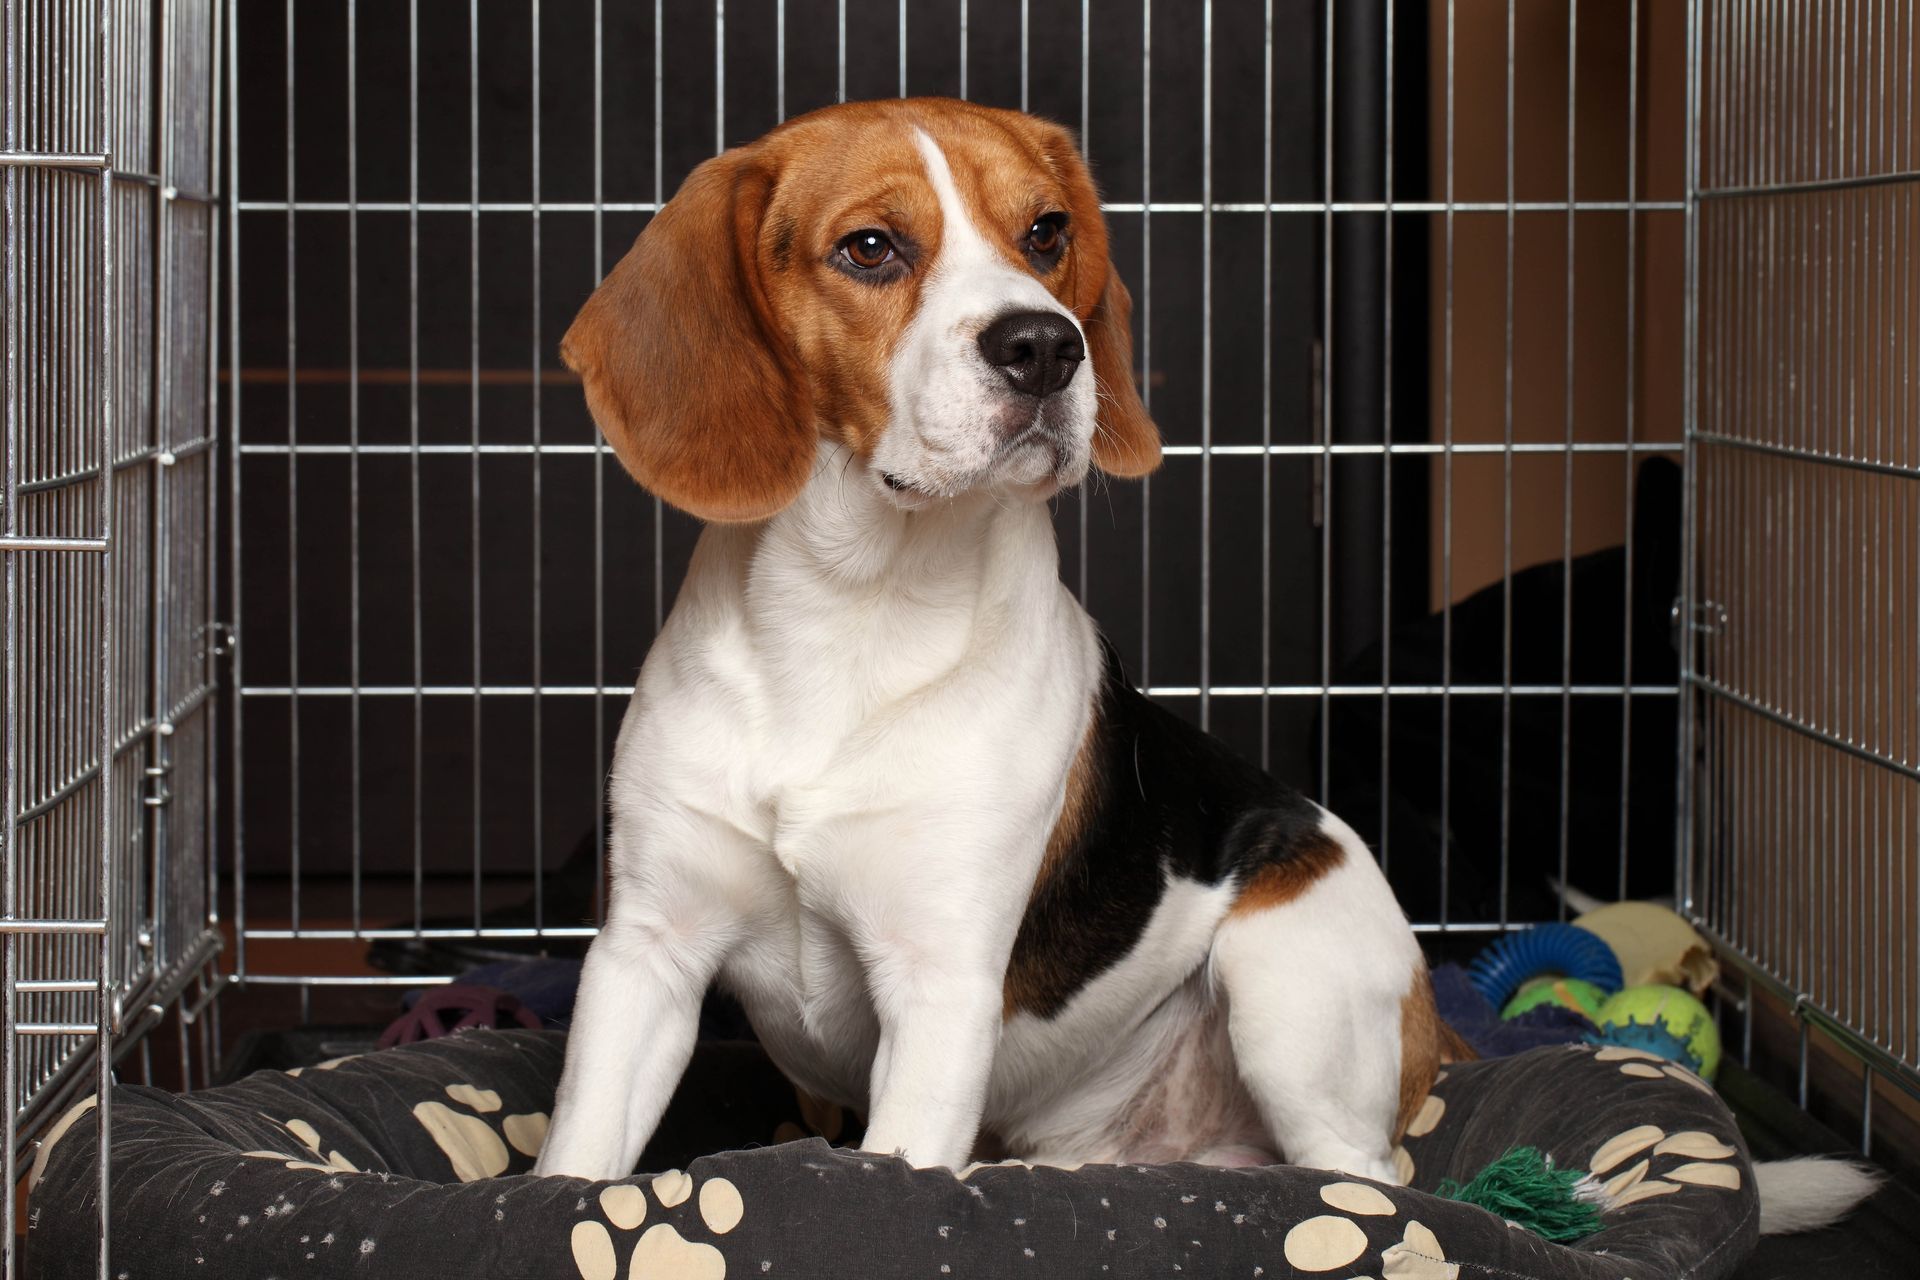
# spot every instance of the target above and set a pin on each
(1125, 441)
(686, 372)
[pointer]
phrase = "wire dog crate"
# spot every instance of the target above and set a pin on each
(1804, 838)
(107, 523)
(1540, 482)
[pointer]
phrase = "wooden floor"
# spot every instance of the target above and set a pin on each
(1880, 1242)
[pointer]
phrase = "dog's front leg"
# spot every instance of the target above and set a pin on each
(670, 925)
(634, 1024)
(939, 1029)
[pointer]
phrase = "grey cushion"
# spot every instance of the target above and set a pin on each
(412, 1163)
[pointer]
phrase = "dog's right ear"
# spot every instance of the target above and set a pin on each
(686, 373)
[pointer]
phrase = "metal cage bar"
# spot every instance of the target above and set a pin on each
(1803, 654)
(107, 525)
(510, 437)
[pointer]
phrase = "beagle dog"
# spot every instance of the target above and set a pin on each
(881, 777)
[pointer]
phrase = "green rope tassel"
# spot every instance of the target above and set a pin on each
(1522, 1187)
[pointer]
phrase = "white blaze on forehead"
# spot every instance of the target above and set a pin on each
(952, 411)
(964, 249)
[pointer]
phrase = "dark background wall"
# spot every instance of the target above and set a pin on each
(331, 333)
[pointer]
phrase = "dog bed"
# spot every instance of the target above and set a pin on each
(412, 1162)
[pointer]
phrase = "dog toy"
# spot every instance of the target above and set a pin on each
(1559, 949)
(1653, 945)
(1583, 998)
(442, 1011)
(1662, 1020)
(1524, 1188)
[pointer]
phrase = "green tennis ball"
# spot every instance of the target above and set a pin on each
(1569, 993)
(1666, 1009)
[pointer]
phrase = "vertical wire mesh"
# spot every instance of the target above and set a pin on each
(1358, 476)
(1804, 653)
(57, 531)
(108, 162)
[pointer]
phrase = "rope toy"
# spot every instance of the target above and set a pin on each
(1524, 1188)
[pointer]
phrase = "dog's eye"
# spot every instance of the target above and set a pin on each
(867, 249)
(1047, 236)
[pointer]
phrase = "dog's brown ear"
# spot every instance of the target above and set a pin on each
(1125, 441)
(686, 373)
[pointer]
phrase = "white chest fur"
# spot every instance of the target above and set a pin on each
(852, 738)
(818, 662)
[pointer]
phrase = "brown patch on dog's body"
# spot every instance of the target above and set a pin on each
(1027, 978)
(1426, 1045)
(1279, 882)
(1082, 795)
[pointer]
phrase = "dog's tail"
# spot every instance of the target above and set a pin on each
(1454, 1047)
(1809, 1192)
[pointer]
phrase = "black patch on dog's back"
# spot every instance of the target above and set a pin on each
(1166, 799)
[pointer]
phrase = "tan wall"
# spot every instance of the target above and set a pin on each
(1546, 404)
(1840, 838)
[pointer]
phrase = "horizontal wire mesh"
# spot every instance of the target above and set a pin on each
(445, 589)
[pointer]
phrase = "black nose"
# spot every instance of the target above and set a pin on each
(1037, 350)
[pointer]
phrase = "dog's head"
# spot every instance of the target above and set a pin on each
(925, 281)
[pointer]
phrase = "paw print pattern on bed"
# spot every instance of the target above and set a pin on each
(468, 1139)
(661, 1250)
(1638, 1064)
(309, 1138)
(1330, 1242)
(1693, 1157)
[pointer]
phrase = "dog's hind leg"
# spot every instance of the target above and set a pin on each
(1315, 963)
